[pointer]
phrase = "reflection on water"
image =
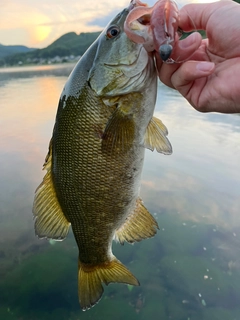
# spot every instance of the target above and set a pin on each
(189, 270)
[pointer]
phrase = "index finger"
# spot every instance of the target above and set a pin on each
(196, 15)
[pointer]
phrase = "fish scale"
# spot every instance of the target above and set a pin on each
(97, 193)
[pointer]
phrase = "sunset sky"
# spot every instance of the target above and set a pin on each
(37, 23)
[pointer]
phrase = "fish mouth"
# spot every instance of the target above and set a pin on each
(144, 19)
(138, 26)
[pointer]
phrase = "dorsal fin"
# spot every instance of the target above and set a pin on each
(50, 221)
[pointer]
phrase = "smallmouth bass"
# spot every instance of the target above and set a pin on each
(104, 123)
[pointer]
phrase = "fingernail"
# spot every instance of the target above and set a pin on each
(187, 42)
(205, 66)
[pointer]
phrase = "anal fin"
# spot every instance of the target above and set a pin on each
(155, 137)
(140, 224)
(91, 278)
(50, 221)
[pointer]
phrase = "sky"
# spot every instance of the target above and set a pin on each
(37, 23)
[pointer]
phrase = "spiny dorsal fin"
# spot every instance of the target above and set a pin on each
(155, 137)
(138, 225)
(50, 221)
(90, 279)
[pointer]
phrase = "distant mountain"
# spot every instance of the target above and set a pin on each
(10, 50)
(70, 44)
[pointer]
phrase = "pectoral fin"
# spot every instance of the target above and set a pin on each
(119, 132)
(138, 225)
(50, 221)
(155, 137)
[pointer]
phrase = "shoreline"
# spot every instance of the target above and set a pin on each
(36, 67)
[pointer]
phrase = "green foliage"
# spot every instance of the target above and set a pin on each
(202, 33)
(68, 44)
(10, 50)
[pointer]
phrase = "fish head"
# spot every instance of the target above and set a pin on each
(120, 65)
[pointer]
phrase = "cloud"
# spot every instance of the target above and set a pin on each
(39, 23)
(103, 20)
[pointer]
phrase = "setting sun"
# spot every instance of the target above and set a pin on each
(38, 27)
(39, 23)
(39, 34)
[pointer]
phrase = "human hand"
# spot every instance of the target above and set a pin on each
(210, 80)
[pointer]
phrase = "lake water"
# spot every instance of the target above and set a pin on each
(189, 271)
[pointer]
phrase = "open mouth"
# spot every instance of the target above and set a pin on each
(155, 27)
(145, 19)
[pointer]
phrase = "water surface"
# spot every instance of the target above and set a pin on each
(189, 270)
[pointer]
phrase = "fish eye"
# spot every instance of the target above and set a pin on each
(112, 32)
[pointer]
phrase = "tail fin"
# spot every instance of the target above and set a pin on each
(90, 279)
